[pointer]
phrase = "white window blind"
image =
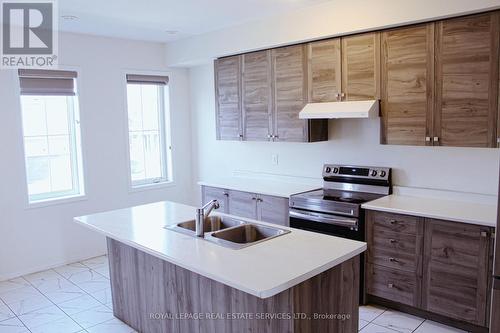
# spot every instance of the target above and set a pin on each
(47, 82)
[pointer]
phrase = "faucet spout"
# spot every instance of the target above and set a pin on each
(202, 213)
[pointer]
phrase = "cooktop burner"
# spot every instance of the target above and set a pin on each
(340, 196)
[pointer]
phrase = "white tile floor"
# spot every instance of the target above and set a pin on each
(76, 298)
(68, 299)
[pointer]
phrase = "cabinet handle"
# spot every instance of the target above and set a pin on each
(225, 194)
(259, 200)
(342, 96)
(393, 241)
(254, 198)
(393, 222)
(436, 139)
(337, 96)
(484, 234)
(393, 260)
(269, 136)
(390, 285)
(428, 139)
(276, 136)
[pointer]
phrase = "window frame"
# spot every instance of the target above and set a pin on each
(165, 132)
(77, 156)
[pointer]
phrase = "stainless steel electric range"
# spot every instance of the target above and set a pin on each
(336, 208)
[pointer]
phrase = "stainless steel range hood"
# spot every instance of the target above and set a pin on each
(340, 110)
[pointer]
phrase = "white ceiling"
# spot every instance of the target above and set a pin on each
(151, 19)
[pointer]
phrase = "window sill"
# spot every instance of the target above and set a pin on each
(56, 201)
(147, 187)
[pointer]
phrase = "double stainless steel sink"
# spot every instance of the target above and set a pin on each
(230, 232)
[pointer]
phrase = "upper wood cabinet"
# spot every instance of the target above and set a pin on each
(466, 81)
(438, 84)
(228, 98)
(344, 69)
(257, 96)
(456, 268)
(407, 87)
(361, 67)
(290, 92)
(324, 70)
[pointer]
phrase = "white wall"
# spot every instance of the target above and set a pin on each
(38, 238)
(351, 141)
(333, 18)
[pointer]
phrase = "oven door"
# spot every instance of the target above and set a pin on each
(335, 225)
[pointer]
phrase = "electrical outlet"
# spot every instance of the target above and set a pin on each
(274, 159)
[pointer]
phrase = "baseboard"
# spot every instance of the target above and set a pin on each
(41, 268)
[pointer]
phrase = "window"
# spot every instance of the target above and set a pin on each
(51, 134)
(147, 125)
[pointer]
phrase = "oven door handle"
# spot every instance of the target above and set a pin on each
(322, 218)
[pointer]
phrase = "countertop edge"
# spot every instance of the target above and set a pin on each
(404, 211)
(262, 294)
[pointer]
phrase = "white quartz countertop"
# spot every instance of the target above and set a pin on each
(276, 188)
(264, 269)
(453, 210)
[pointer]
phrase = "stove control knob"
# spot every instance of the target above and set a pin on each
(328, 169)
(335, 170)
(374, 173)
(382, 173)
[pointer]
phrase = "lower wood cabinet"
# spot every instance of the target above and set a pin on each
(219, 194)
(442, 267)
(243, 204)
(456, 268)
(256, 206)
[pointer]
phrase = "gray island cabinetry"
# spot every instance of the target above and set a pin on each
(167, 281)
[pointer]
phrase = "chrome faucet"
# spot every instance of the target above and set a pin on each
(201, 215)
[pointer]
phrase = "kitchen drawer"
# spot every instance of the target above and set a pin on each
(391, 259)
(392, 284)
(393, 249)
(393, 222)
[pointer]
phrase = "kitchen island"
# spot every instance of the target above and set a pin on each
(166, 281)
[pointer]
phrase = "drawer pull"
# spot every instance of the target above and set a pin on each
(393, 260)
(390, 285)
(393, 241)
(393, 222)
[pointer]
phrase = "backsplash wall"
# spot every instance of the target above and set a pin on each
(351, 141)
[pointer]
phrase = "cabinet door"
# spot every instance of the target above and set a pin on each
(324, 70)
(361, 67)
(215, 193)
(456, 270)
(256, 87)
(289, 93)
(407, 85)
(228, 98)
(466, 81)
(272, 209)
(243, 204)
